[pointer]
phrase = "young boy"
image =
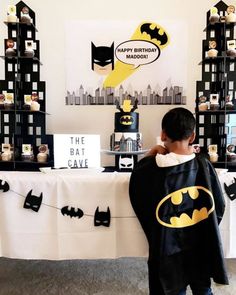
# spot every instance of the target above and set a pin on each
(178, 200)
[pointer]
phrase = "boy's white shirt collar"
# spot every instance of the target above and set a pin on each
(172, 159)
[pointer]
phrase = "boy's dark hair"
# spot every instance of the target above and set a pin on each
(178, 124)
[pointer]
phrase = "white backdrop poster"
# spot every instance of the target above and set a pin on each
(77, 150)
(110, 60)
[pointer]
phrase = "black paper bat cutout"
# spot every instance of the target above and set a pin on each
(231, 190)
(135, 106)
(154, 34)
(72, 212)
(4, 186)
(33, 202)
(102, 217)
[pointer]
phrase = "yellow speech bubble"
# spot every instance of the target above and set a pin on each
(146, 31)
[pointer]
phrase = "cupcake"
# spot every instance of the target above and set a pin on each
(25, 17)
(202, 103)
(231, 16)
(212, 52)
(231, 51)
(11, 14)
(35, 106)
(29, 51)
(10, 51)
(214, 16)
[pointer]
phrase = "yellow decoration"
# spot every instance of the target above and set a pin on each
(187, 218)
(127, 105)
(11, 9)
(214, 10)
(154, 33)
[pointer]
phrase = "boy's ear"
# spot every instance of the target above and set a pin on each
(192, 137)
(163, 136)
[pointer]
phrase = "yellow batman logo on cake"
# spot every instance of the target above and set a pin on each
(185, 207)
(126, 120)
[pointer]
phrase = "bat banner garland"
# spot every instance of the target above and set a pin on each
(33, 202)
(101, 218)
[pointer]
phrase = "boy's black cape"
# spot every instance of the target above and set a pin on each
(179, 209)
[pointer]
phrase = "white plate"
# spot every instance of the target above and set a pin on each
(109, 152)
(69, 170)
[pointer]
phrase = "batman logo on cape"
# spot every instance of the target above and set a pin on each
(179, 208)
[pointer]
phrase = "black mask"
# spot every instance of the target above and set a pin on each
(102, 55)
(231, 190)
(33, 202)
(102, 217)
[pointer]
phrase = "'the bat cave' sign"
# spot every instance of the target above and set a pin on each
(76, 150)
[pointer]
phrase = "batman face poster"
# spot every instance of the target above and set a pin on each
(108, 60)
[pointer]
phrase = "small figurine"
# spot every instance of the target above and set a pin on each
(11, 14)
(214, 102)
(212, 52)
(214, 16)
(231, 45)
(202, 103)
(212, 151)
(25, 17)
(230, 16)
(10, 51)
(29, 51)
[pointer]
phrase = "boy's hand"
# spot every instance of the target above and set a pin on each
(157, 149)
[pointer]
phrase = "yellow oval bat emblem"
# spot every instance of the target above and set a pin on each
(185, 207)
(126, 120)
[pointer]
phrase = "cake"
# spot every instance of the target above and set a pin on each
(126, 136)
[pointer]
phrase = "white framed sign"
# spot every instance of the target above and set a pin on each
(77, 150)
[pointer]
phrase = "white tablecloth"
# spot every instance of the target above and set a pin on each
(47, 234)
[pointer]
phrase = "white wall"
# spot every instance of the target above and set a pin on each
(50, 20)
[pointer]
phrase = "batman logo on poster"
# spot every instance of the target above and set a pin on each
(185, 207)
(154, 33)
(126, 120)
(4, 186)
(70, 211)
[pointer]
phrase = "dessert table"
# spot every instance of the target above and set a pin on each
(66, 226)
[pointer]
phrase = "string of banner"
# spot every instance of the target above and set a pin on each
(34, 203)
